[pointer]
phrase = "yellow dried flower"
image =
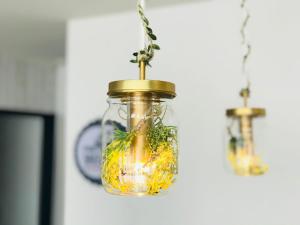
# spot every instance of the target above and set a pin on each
(155, 174)
(245, 164)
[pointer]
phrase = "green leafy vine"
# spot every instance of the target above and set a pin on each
(146, 54)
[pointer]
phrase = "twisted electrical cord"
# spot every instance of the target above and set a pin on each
(245, 42)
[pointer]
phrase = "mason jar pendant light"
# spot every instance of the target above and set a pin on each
(140, 156)
(242, 150)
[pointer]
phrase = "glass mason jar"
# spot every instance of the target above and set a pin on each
(242, 153)
(140, 155)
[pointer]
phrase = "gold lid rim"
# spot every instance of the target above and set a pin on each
(127, 87)
(245, 111)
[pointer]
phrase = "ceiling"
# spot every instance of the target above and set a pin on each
(36, 28)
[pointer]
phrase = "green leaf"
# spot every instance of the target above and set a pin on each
(155, 46)
(233, 144)
(135, 53)
(120, 134)
(153, 37)
(133, 61)
(149, 30)
(142, 52)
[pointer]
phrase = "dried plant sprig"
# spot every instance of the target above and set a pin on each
(146, 54)
(159, 133)
(122, 140)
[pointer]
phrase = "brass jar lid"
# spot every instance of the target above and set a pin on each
(126, 87)
(245, 111)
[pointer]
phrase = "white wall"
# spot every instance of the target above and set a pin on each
(27, 84)
(201, 54)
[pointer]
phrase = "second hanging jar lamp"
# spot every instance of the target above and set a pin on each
(242, 150)
(140, 159)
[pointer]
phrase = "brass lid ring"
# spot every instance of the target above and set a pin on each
(245, 111)
(126, 87)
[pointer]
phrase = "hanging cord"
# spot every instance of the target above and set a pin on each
(245, 42)
(145, 55)
(245, 92)
(143, 40)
